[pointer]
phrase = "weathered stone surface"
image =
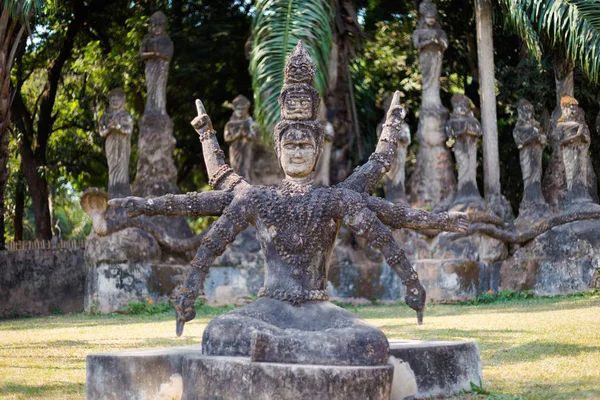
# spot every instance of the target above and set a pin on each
(430, 368)
(563, 260)
(237, 378)
(40, 282)
(433, 181)
(110, 287)
(441, 368)
(455, 268)
(137, 375)
(116, 126)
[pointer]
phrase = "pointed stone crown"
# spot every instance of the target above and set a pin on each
(300, 67)
(427, 9)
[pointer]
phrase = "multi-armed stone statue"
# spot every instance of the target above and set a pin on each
(239, 133)
(464, 129)
(530, 140)
(574, 137)
(116, 126)
(433, 181)
(393, 181)
(297, 225)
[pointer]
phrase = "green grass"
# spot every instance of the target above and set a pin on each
(531, 348)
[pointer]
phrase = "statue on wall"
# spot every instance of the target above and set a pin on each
(116, 126)
(433, 182)
(239, 133)
(157, 52)
(530, 140)
(297, 225)
(574, 137)
(465, 130)
(393, 181)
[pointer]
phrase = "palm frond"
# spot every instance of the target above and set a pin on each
(517, 18)
(22, 8)
(276, 29)
(574, 25)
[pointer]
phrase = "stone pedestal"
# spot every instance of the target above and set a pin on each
(237, 378)
(566, 259)
(433, 182)
(428, 369)
(440, 368)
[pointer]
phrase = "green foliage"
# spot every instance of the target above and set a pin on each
(206, 310)
(506, 295)
(574, 25)
(146, 307)
(277, 27)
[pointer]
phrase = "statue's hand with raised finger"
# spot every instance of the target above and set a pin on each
(202, 123)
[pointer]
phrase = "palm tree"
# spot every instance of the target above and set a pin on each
(14, 20)
(571, 25)
(276, 29)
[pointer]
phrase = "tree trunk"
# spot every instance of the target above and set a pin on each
(19, 206)
(339, 100)
(485, 52)
(34, 142)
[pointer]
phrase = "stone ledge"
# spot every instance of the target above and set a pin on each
(237, 378)
(440, 368)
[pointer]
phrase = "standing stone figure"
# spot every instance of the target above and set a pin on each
(116, 126)
(574, 137)
(530, 140)
(464, 128)
(297, 225)
(433, 182)
(394, 180)
(157, 51)
(239, 133)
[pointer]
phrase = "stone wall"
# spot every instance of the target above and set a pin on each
(41, 282)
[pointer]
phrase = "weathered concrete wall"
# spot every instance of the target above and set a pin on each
(40, 282)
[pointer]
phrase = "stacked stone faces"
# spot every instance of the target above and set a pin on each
(299, 100)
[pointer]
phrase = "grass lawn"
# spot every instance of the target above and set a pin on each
(531, 349)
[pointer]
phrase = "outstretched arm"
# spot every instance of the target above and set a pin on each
(366, 177)
(221, 175)
(397, 216)
(364, 222)
(234, 219)
(187, 205)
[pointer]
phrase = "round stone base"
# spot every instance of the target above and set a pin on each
(237, 378)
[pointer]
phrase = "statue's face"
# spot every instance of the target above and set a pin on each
(157, 29)
(461, 109)
(240, 112)
(298, 107)
(570, 111)
(297, 153)
(430, 20)
(525, 113)
(116, 102)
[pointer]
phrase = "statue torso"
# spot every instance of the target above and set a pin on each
(297, 233)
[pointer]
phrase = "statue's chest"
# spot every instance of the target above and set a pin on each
(299, 227)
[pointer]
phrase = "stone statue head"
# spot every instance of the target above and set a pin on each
(299, 100)
(158, 23)
(428, 16)
(525, 110)
(570, 108)
(298, 145)
(116, 99)
(461, 106)
(241, 105)
(300, 67)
